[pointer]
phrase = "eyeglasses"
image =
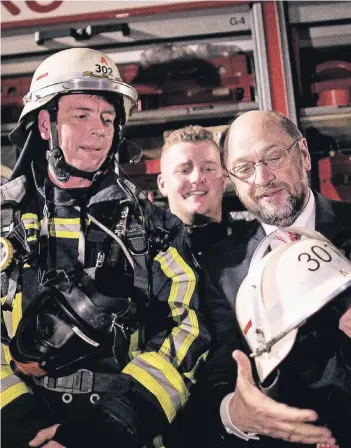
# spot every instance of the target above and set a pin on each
(274, 160)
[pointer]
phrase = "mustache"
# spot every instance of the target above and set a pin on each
(261, 191)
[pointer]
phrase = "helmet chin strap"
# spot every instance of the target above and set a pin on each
(56, 159)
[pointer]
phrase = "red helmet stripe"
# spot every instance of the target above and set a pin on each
(247, 326)
(42, 76)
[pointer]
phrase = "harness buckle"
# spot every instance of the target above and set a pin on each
(100, 259)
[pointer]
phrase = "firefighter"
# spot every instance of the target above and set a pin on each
(193, 181)
(101, 325)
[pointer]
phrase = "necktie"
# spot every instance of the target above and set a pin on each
(287, 237)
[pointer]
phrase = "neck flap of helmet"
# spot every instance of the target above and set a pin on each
(56, 159)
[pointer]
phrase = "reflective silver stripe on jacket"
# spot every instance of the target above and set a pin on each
(11, 386)
(31, 225)
(158, 375)
(64, 227)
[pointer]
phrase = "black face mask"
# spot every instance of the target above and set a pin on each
(67, 323)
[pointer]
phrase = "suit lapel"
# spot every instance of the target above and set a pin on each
(326, 219)
(236, 276)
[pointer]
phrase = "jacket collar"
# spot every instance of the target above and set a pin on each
(324, 210)
(106, 190)
(327, 223)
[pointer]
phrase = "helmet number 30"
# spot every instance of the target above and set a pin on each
(319, 254)
(103, 69)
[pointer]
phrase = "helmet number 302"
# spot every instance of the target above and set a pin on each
(103, 69)
(319, 253)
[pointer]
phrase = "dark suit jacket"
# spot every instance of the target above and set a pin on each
(226, 266)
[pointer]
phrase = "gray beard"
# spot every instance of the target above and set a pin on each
(277, 215)
(281, 216)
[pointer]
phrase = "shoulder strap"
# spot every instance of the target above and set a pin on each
(14, 191)
(11, 194)
(138, 244)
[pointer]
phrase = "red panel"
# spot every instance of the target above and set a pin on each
(128, 72)
(275, 58)
(143, 167)
(321, 86)
(229, 82)
(335, 177)
(14, 89)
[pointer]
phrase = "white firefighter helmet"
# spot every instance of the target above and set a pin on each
(76, 69)
(283, 289)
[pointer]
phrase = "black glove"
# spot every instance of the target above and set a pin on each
(100, 431)
(21, 420)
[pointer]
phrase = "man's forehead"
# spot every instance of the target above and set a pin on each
(241, 145)
(84, 99)
(189, 153)
(191, 150)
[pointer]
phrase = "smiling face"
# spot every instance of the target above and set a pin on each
(85, 125)
(275, 196)
(192, 180)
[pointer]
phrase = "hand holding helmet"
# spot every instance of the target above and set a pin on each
(253, 412)
(288, 308)
(284, 288)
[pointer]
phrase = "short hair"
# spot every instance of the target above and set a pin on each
(283, 122)
(287, 125)
(188, 134)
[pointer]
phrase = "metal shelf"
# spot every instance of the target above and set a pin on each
(190, 113)
(302, 12)
(325, 36)
(334, 121)
(212, 23)
(163, 116)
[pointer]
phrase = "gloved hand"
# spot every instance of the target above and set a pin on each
(89, 434)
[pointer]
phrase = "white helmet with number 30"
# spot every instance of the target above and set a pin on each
(285, 288)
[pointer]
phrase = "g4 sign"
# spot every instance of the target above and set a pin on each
(14, 7)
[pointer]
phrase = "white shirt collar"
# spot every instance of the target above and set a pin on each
(307, 218)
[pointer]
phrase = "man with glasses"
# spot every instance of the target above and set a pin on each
(267, 160)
